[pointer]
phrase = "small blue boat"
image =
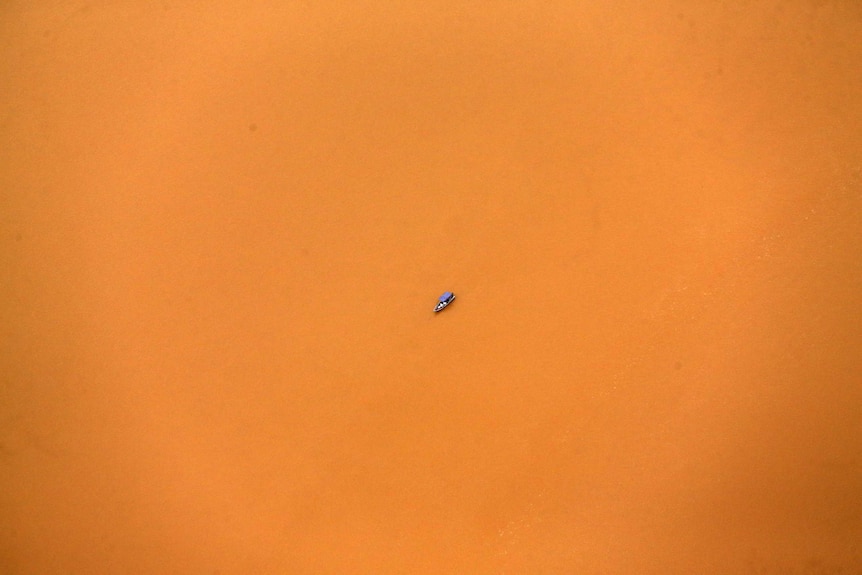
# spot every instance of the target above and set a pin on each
(445, 300)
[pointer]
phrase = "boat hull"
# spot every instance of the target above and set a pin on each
(444, 302)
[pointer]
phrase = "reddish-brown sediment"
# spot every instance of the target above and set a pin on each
(223, 231)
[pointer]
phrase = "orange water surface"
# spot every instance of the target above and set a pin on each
(224, 226)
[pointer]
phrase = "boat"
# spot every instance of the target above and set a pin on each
(444, 300)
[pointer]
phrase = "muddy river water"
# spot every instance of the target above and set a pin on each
(224, 226)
